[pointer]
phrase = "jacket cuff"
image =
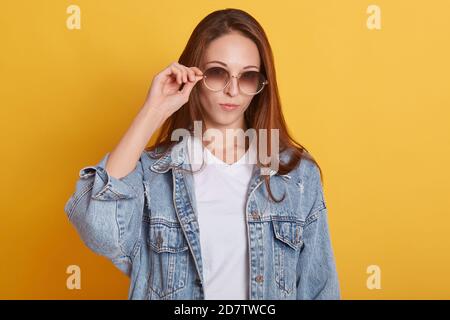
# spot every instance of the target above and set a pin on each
(107, 187)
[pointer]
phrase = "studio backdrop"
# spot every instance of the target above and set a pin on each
(364, 86)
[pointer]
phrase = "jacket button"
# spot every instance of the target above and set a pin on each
(259, 278)
(255, 215)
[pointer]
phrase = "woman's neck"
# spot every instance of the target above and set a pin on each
(229, 145)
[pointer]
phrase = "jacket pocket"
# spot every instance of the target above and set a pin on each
(168, 257)
(287, 244)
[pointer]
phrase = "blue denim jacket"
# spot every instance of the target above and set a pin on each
(146, 224)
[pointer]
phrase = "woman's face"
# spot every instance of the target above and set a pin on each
(236, 54)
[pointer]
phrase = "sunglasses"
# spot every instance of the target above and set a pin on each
(249, 82)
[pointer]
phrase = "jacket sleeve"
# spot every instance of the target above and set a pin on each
(317, 277)
(107, 212)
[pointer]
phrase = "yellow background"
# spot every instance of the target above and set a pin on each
(371, 105)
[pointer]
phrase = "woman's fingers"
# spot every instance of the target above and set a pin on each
(182, 73)
(179, 73)
(197, 71)
(165, 89)
(188, 87)
(190, 72)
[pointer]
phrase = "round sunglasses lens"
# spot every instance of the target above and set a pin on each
(251, 82)
(216, 78)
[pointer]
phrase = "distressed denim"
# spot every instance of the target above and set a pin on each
(146, 224)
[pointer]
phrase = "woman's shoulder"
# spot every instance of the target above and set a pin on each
(158, 157)
(306, 178)
(306, 171)
(306, 168)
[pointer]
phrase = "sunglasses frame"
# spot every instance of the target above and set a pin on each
(265, 82)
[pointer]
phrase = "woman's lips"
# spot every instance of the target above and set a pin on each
(227, 106)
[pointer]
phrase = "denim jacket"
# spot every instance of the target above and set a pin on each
(146, 224)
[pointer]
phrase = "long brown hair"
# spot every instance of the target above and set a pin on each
(264, 111)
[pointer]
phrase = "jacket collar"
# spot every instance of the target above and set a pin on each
(173, 158)
(176, 155)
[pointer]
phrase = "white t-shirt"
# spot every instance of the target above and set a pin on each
(220, 192)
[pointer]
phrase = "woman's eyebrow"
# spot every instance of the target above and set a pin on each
(224, 64)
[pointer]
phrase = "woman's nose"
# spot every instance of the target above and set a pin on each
(233, 87)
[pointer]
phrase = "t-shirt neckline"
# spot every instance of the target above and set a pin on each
(217, 160)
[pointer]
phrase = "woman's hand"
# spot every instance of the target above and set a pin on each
(165, 94)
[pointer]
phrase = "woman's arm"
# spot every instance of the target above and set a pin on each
(107, 212)
(107, 205)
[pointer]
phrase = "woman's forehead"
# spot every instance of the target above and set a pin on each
(233, 49)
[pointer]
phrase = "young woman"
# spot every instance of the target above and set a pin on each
(234, 227)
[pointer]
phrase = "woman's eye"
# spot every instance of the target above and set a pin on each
(250, 75)
(218, 71)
